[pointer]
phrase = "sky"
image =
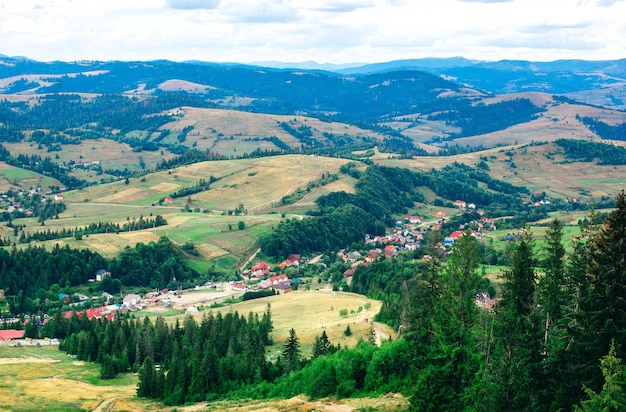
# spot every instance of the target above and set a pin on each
(324, 31)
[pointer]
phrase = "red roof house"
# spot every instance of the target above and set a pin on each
(260, 266)
(10, 334)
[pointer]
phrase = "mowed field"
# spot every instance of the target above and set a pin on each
(257, 184)
(11, 176)
(46, 379)
(309, 313)
(109, 153)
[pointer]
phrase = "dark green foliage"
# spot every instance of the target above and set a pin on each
(604, 130)
(291, 356)
(176, 364)
(613, 394)
(517, 335)
(258, 294)
(154, 265)
(342, 226)
(322, 346)
(44, 166)
(481, 118)
(201, 186)
(586, 151)
(603, 308)
(448, 373)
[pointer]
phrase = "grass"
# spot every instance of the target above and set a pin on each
(11, 176)
(311, 312)
(534, 170)
(48, 380)
(43, 378)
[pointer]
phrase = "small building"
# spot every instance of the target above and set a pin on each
(10, 334)
(131, 299)
(101, 274)
(460, 204)
(261, 266)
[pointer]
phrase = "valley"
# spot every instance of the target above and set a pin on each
(388, 201)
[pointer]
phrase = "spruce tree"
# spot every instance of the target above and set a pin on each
(291, 352)
(603, 308)
(451, 365)
(553, 296)
(613, 394)
(517, 351)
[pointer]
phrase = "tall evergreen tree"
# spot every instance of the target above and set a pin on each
(451, 365)
(603, 308)
(612, 398)
(517, 351)
(291, 352)
(552, 299)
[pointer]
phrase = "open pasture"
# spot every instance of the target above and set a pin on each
(256, 183)
(540, 168)
(109, 153)
(231, 132)
(311, 312)
(11, 176)
(46, 379)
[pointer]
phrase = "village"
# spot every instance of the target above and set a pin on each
(406, 235)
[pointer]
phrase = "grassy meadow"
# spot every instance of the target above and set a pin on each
(46, 379)
(311, 312)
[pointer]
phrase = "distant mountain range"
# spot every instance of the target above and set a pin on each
(505, 76)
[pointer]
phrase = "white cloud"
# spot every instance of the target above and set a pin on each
(193, 4)
(336, 31)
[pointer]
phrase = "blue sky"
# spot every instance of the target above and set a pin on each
(325, 31)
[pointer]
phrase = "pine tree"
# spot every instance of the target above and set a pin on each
(451, 365)
(147, 379)
(603, 308)
(291, 352)
(517, 351)
(613, 394)
(322, 345)
(553, 296)
(370, 336)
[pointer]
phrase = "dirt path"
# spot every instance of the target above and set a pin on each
(106, 405)
(243, 267)
(380, 335)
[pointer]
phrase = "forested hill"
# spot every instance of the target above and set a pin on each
(355, 98)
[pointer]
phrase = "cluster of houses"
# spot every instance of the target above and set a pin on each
(11, 203)
(268, 279)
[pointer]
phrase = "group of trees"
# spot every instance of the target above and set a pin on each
(587, 151)
(560, 318)
(604, 130)
(93, 228)
(29, 275)
(475, 119)
(177, 363)
(543, 343)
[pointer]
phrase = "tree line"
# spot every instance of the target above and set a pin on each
(92, 229)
